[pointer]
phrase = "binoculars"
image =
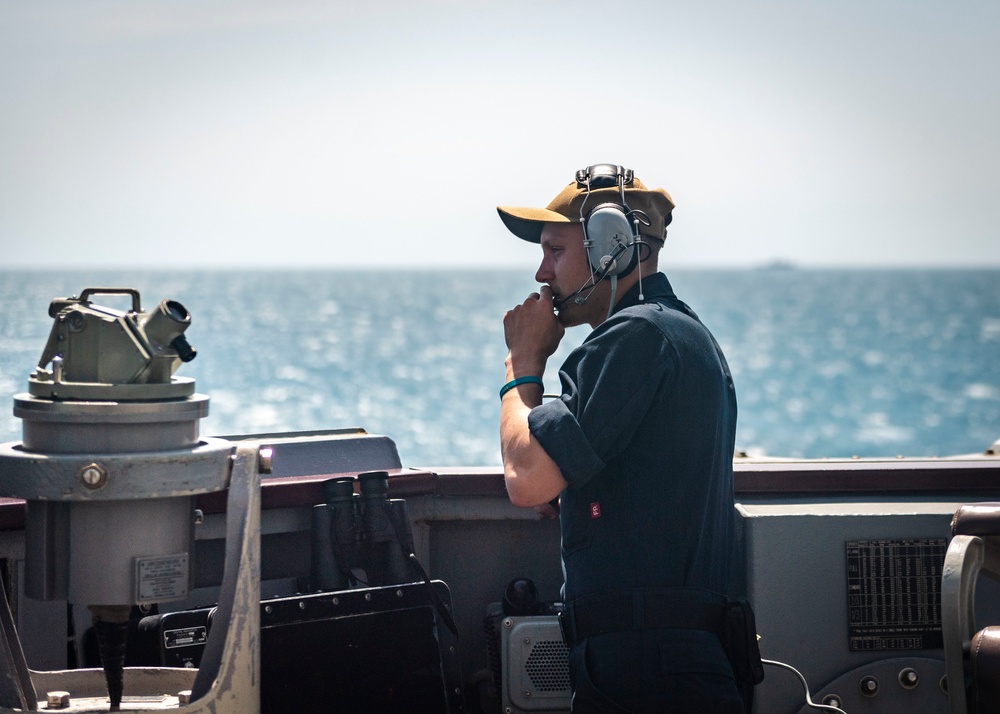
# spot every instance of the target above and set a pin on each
(367, 532)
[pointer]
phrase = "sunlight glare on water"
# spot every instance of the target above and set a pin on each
(827, 363)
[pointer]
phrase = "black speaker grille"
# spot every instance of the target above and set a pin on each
(548, 666)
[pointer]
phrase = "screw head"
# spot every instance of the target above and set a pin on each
(93, 476)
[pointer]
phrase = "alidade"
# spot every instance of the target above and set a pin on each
(110, 462)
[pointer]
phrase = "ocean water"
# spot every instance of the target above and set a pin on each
(827, 363)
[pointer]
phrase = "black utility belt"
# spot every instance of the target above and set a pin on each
(650, 609)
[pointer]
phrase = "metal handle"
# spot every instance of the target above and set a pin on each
(85, 295)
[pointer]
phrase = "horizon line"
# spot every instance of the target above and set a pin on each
(763, 266)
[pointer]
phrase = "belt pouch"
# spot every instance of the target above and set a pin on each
(742, 649)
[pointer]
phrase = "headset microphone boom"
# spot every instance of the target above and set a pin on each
(608, 265)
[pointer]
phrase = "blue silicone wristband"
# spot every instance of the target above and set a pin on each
(520, 380)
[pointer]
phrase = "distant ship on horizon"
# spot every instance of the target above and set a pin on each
(777, 264)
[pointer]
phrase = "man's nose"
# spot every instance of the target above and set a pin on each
(544, 272)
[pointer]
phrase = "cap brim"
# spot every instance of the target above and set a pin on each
(527, 223)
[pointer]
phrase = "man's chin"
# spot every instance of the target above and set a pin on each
(568, 314)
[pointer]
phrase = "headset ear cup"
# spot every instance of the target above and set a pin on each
(607, 228)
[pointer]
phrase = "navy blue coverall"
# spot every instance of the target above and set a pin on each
(644, 435)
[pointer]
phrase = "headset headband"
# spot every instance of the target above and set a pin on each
(604, 176)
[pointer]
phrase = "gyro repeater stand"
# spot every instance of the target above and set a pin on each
(109, 464)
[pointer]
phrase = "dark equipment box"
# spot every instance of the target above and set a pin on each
(381, 650)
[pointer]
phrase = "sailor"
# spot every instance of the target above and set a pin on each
(636, 453)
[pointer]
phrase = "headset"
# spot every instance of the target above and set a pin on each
(610, 232)
(610, 229)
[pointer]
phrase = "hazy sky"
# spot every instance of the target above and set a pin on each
(333, 134)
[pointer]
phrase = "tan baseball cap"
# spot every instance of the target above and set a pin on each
(656, 204)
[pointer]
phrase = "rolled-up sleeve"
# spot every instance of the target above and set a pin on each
(564, 440)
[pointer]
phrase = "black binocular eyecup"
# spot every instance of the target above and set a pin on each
(338, 490)
(374, 484)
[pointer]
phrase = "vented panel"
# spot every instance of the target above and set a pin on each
(535, 665)
(547, 666)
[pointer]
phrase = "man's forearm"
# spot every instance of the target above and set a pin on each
(531, 476)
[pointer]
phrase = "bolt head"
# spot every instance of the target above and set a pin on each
(93, 476)
(57, 700)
